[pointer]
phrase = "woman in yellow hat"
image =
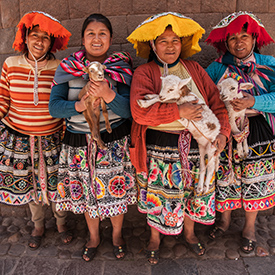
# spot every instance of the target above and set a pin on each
(165, 195)
(30, 139)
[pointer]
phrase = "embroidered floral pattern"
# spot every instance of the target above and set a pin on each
(117, 187)
(60, 189)
(100, 189)
(76, 190)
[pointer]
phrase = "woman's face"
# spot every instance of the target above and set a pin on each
(240, 44)
(96, 40)
(168, 46)
(39, 43)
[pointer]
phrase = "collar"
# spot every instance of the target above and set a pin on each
(169, 65)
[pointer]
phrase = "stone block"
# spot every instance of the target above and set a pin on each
(271, 6)
(153, 6)
(58, 9)
(253, 5)
(7, 37)
(16, 250)
(184, 6)
(10, 13)
(268, 21)
(134, 20)
(119, 24)
(83, 8)
(113, 7)
(222, 6)
(74, 26)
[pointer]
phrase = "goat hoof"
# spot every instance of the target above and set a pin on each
(109, 130)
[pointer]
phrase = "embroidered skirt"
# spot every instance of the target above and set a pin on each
(253, 186)
(103, 189)
(161, 194)
(23, 160)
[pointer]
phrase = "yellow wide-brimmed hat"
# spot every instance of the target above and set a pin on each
(185, 27)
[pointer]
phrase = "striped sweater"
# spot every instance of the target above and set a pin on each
(17, 109)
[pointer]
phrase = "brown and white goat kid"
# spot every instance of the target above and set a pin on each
(203, 131)
(92, 115)
(231, 89)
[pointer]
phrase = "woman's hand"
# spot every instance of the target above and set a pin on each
(191, 110)
(219, 143)
(101, 89)
(80, 105)
(247, 101)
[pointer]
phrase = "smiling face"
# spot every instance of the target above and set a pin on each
(168, 46)
(96, 40)
(39, 43)
(240, 44)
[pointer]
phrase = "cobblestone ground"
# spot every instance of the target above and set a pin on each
(222, 256)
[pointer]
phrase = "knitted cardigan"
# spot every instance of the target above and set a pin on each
(146, 80)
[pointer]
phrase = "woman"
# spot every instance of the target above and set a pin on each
(99, 183)
(239, 36)
(155, 131)
(30, 139)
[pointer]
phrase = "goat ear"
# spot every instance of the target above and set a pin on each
(104, 67)
(85, 70)
(246, 86)
(185, 81)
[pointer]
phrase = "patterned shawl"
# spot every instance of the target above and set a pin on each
(118, 67)
(244, 69)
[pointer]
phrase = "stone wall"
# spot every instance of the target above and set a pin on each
(125, 15)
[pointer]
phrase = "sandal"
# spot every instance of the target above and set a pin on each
(66, 237)
(120, 249)
(197, 248)
(152, 256)
(248, 246)
(36, 240)
(215, 232)
(89, 253)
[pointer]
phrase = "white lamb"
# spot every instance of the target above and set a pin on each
(230, 89)
(204, 131)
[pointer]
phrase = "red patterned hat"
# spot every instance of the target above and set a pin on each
(46, 23)
(234, 23)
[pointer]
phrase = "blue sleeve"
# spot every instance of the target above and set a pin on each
(59, 105)
(215, 70)
(120, 105)
(266, 102)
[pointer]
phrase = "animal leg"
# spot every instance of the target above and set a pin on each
(245, 148)
(105, 114)
(202, 169)
(147, 103)
(210, 166)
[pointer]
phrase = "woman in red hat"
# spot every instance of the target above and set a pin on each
(238, 37)
(30, 138)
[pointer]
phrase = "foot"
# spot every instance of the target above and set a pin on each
(215, 232)
(152, 252)
(66, 235)
(119, 247)
(195, 245)
(248, 245)
(36, 238)
(90, 250)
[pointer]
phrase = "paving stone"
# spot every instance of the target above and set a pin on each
(15, 237)
(272, 234)
(169, 241)
(12, 228)
(26, 230)
(9, 266)
(77, 254)
(64, 254)
(258, 265)
(263, 233)
(232, 254)
(136, 245)
(271, 242)
(3, 229)
(68, 268)
(145, 236)
(232, 244)
(271, 226)
(180, 250)
(4, 249)
(137, 231)
(127, 232)
(166, 253)
(272, 251)
(48, 251)
(7, 221)
(16, 250)
(215, 253)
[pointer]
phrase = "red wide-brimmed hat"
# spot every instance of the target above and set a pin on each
(234, 23)
(46, 23)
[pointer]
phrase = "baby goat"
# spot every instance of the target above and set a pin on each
(203, 131)
(96, 72)
(230, 89)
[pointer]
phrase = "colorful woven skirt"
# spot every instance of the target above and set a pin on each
(161, 193)
(103, 187)
(22, 160)
(253, 186)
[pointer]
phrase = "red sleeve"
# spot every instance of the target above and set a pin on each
(146, 80)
